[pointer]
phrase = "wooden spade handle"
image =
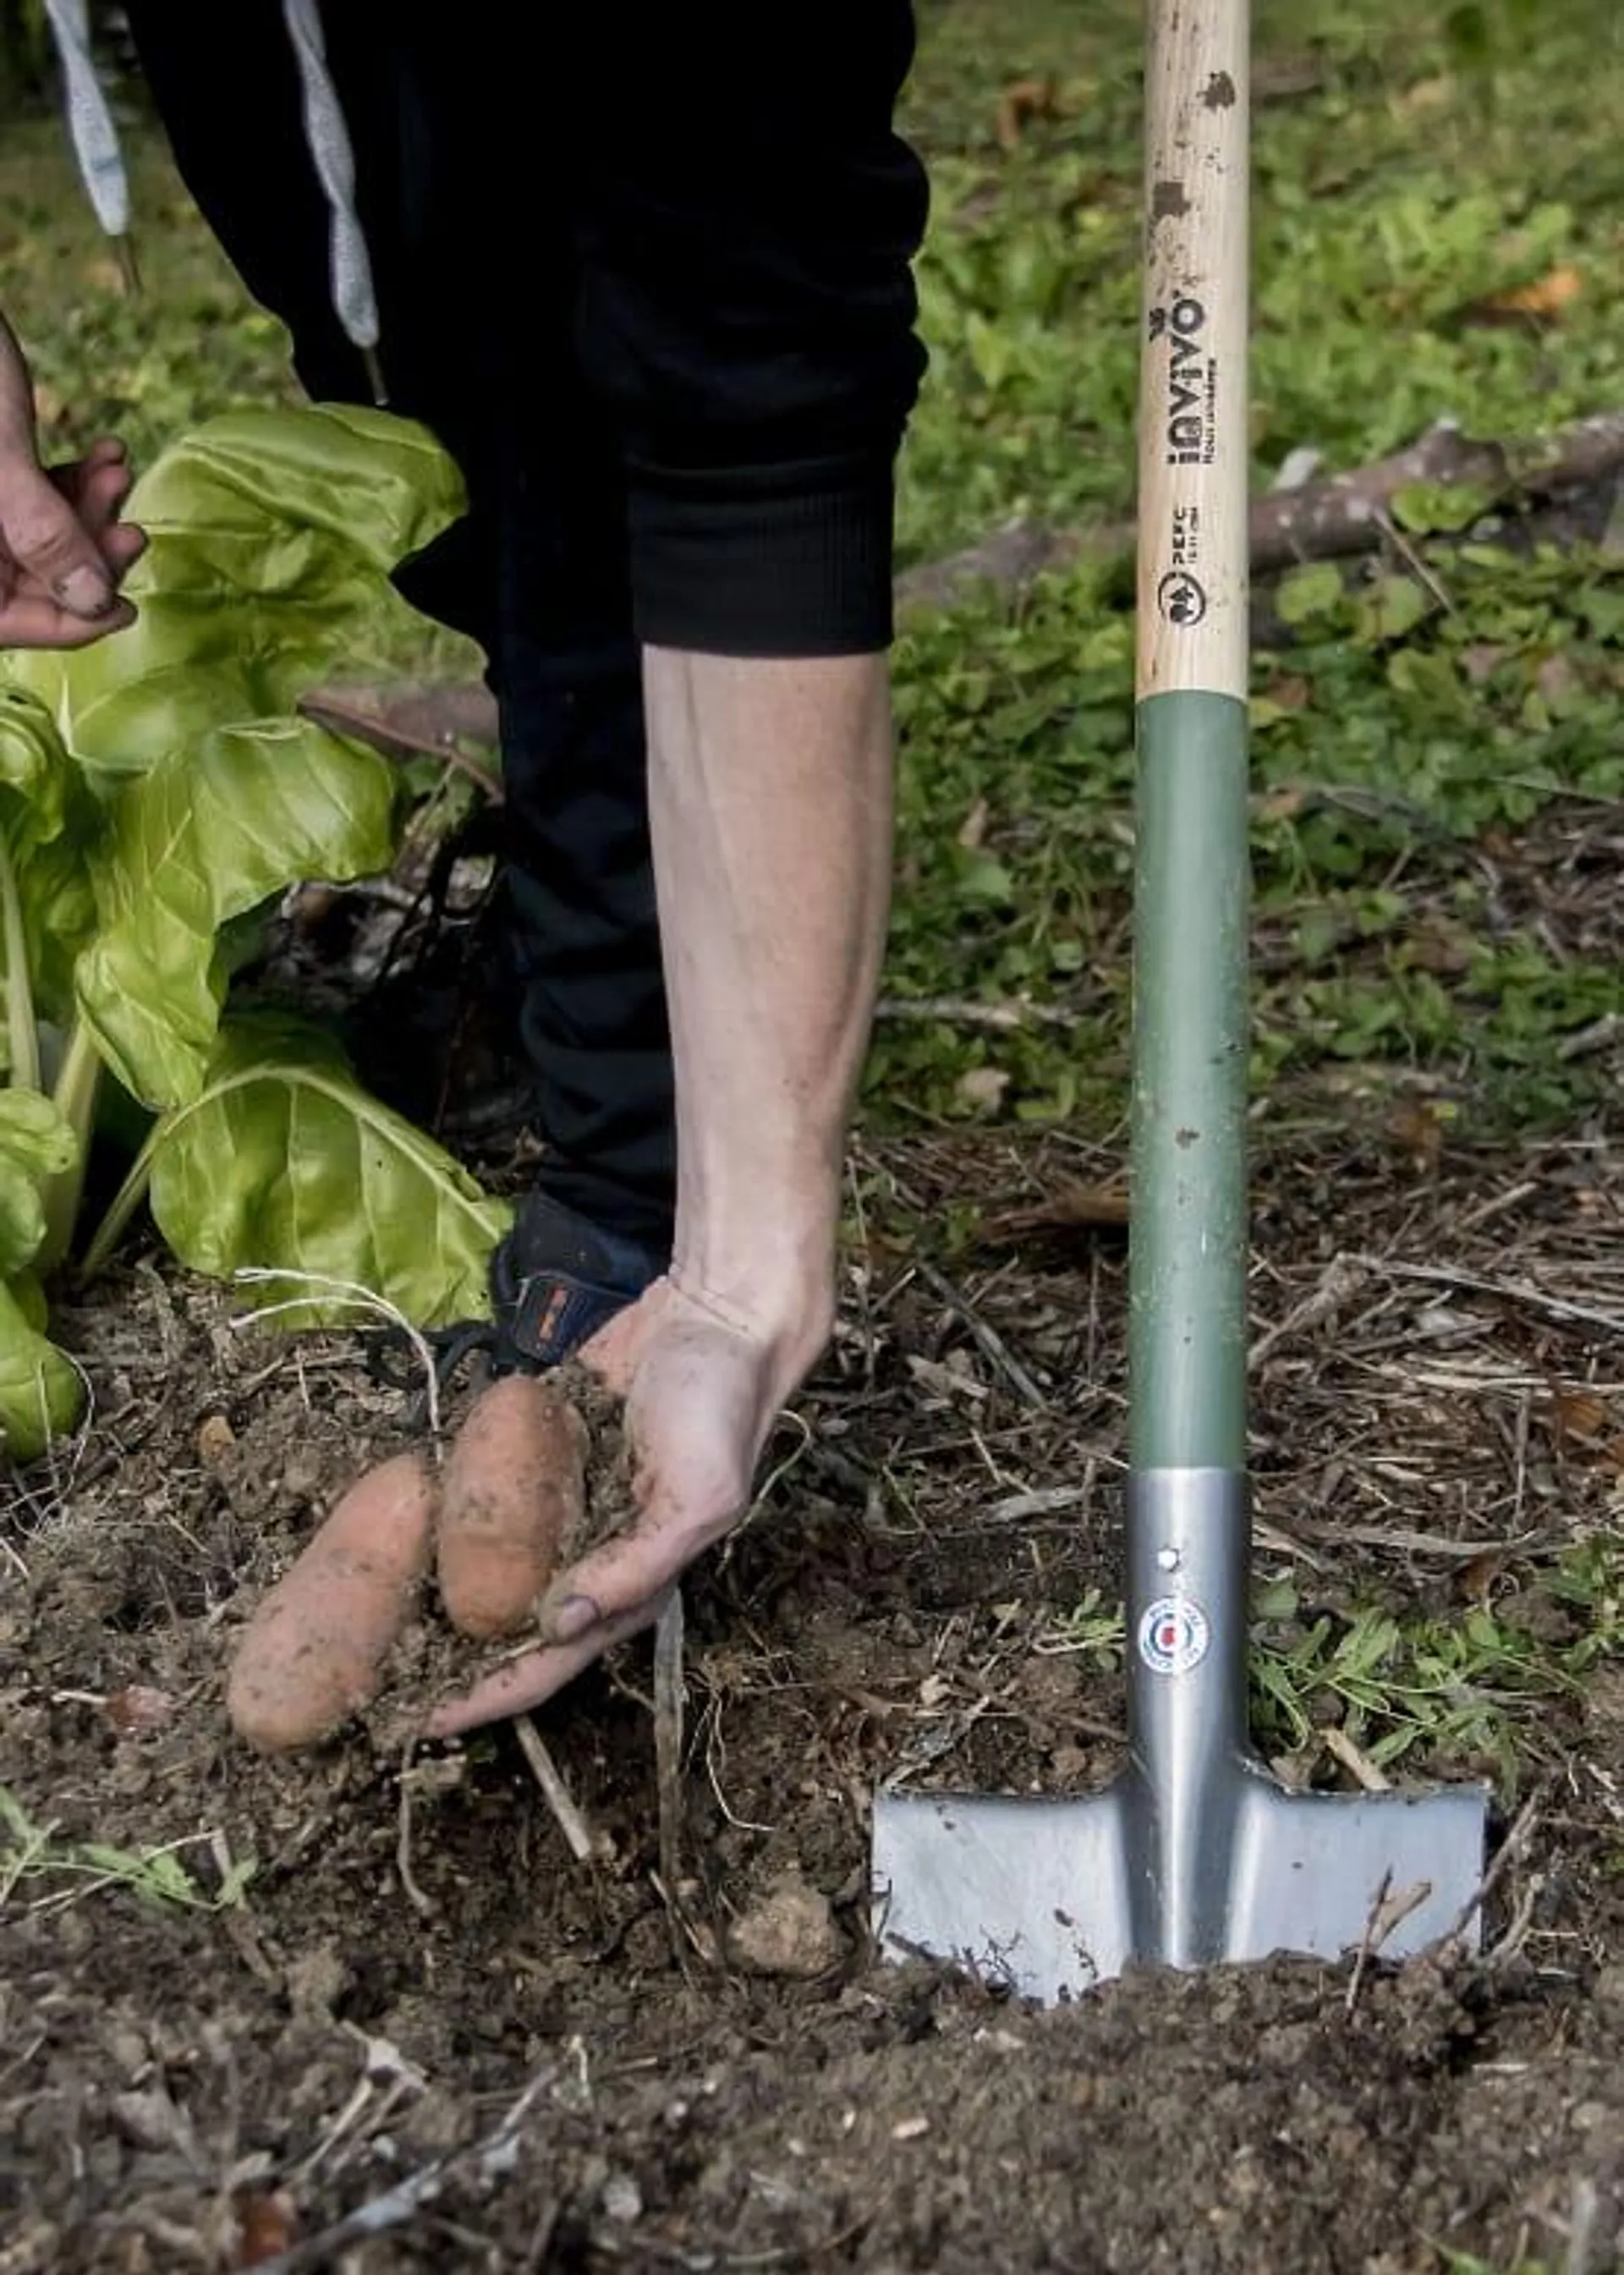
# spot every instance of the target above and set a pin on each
(1193, 441)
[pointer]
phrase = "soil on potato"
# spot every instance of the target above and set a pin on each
(423, 2036)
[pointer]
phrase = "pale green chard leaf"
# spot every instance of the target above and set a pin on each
(48, 822)
(36, 1143)
(40, 1394)
(34, 767)
(212, 831)
(272, 532)
(59, 915)
(284, 1161)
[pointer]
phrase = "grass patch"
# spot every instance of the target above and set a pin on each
(147, 365)
(1403, 926)
(1423, 718)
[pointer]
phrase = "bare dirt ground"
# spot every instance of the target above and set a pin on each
(425, 2036)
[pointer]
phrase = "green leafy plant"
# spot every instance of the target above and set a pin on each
(1418, 1684)
(1093, 1631)
(1467, 2262)
(30, 1851)
(157, 791)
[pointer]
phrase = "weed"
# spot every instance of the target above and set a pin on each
(1460, 1688)
(1467, 2262)
(31, 1852)
(1094, 1631)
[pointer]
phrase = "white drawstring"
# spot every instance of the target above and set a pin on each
(355, 302)
(90, 121)
(95, 145)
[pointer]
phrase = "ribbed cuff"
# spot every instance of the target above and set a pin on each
(783, 561)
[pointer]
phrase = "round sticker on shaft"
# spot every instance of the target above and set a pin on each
(1173, 1635)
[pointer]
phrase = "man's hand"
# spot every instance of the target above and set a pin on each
(701, 1386)
(702, 1389)
(63, 547)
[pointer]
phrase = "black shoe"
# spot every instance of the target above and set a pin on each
(555, 1280)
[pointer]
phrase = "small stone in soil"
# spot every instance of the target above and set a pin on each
(215, 1440)
(148, 2119)
(138, 1709)
(622, 2198)
(792, 1931)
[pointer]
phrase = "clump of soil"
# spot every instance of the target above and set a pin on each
(610, 1507)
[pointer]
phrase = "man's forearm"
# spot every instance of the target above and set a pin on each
(770, 798)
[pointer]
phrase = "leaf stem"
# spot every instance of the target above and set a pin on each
(78, 1080)
(21, 1034)
(125, 1201)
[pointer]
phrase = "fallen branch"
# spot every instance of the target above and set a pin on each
(1327, 519)
(961, 1011)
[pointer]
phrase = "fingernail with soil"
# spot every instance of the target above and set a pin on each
(572, 1618)
(83, 594)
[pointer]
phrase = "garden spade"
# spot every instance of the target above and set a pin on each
(1195, 1853)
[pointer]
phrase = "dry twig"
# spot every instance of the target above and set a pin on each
(670, 1702)
(583, 1844)
(1354, 1760)
(1506, 1291)
(423, 1905)
(1510, 1849)
(396, 2206)
(987, 1337)
(1388, 1911)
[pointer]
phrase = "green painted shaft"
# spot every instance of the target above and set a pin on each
(1188, 1253)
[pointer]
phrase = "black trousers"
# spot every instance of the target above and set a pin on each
(645, 271)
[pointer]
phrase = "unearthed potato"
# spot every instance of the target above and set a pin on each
(512, 1493)
(313, 1652)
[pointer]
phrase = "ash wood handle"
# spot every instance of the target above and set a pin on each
(1193, 440)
